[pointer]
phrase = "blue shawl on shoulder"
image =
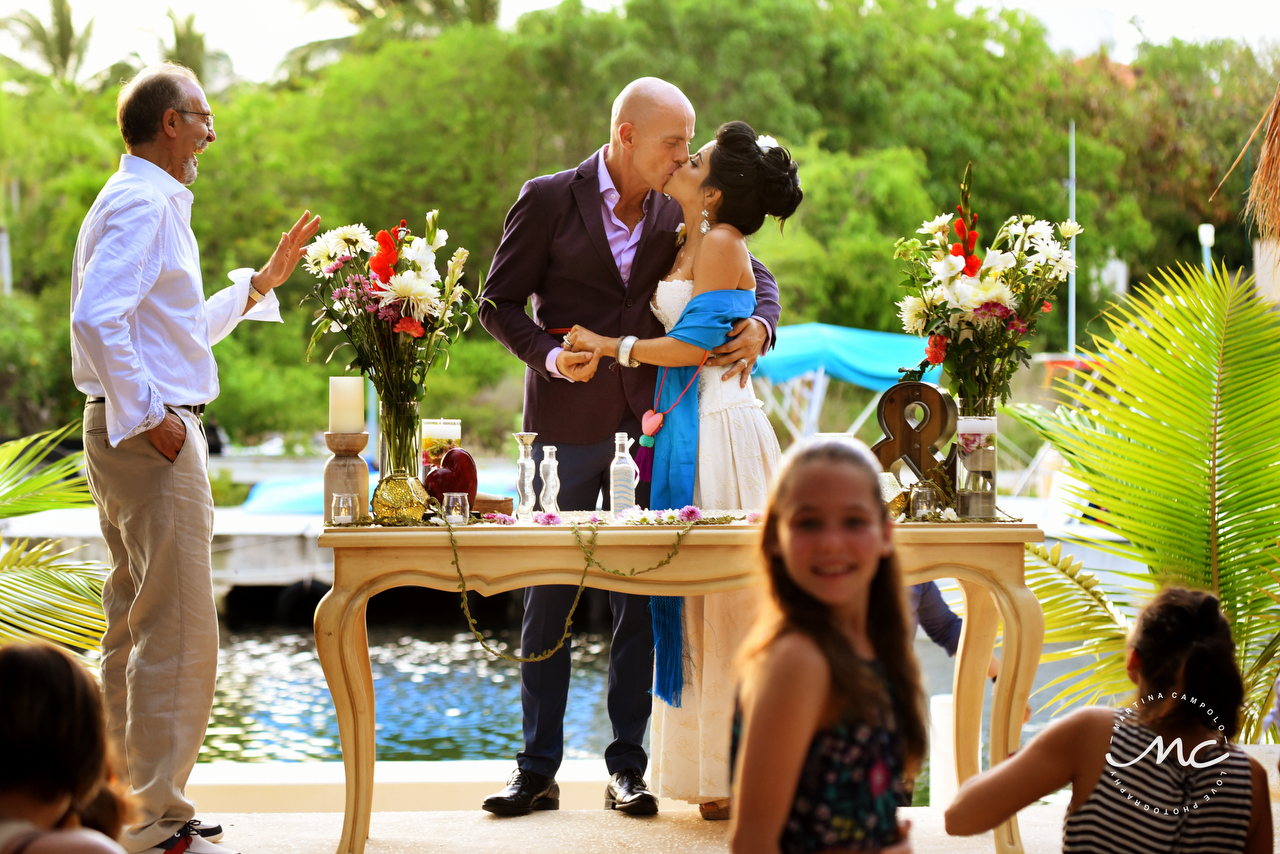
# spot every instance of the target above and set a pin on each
(706, 323)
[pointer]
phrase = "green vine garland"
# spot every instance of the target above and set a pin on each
(588, 554)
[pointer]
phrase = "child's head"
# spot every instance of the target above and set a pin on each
(53, 742)
(828, 548)
(1182, 642)
(827, 537)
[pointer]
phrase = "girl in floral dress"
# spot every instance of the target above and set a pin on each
(831, 709)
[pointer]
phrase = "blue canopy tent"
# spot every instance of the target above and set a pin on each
(792, 377)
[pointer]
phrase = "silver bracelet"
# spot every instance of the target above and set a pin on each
(624, 351)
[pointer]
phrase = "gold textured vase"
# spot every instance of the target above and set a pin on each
(400, 498)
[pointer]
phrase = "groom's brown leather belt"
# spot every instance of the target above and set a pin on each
(196, 409)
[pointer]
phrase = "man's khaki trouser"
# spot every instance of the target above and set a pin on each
(160, 652)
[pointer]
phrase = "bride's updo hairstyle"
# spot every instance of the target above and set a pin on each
(753, 182)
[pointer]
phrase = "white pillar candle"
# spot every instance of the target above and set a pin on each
(346, 404)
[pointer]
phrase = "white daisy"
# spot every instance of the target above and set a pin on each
(352, 237)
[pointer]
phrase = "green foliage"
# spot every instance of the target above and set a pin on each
(1174, 442)
(834, 259)
(225, 492)
(430, 107)
(59, 46)
(43, 594)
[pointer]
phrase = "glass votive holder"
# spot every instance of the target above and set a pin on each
(343, 508)
(457, 511)
(438, 436)
(926, 500)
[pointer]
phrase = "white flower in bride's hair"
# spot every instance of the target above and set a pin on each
(766, 142)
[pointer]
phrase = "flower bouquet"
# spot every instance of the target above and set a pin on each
(978, 314)
(399, 315)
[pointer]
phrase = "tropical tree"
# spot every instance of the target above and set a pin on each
(1174, 444)
(188, 48)
(59, 45)
(44, 593)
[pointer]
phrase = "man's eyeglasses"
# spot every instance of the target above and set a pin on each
(208, 117)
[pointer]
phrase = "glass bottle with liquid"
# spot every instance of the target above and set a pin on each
(525, 469)
(550, 480)
(624, 474)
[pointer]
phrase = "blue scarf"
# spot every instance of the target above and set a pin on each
(706, 322)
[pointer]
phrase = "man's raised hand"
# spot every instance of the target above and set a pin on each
(580, 366)
(288, 253)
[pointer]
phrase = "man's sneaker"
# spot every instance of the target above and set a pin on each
(189, 841)
(209, 830)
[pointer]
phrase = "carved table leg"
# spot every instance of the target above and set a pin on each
(343, 650)
(977, 639)
(1023, 640)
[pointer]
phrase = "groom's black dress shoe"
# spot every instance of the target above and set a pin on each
(525, 792)
(628, 793)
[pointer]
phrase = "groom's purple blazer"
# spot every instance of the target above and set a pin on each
(554, 250)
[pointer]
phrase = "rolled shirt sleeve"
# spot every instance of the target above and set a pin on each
(225, 309)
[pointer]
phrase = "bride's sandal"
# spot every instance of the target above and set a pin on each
(716, 810)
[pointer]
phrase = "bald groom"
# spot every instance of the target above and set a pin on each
(588, 246)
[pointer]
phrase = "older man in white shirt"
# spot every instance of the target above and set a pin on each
(141, 339)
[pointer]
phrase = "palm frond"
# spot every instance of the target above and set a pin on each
(46, 596)
(30, 484)
(1079, 611)
(1173, 440)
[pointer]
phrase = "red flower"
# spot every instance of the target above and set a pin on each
(972, 264)
(408, 324)
(973, 241)
(1047, 307)
(957, 249)
(960, 227)
(1016, 326)
(383, 264)
(936, 352)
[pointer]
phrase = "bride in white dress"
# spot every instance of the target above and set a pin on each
(726, 189)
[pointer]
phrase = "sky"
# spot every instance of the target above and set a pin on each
(258, 33)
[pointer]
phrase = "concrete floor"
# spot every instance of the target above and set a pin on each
(572, 832)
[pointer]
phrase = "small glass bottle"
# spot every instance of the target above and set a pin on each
(624, 474)
(550, 480)
(525, 469)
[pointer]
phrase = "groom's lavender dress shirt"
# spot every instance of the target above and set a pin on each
(555, 257)
(622, 240)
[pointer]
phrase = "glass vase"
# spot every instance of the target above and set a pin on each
(976, 459)
(400, 498)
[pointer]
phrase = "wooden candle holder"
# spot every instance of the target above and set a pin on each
(346, 471)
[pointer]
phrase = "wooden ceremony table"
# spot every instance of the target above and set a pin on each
(986, 559)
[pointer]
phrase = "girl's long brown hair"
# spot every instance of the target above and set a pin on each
(791, 609)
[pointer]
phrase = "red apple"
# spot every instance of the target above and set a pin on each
(456, 473)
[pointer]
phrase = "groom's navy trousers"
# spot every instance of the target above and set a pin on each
(544, 685)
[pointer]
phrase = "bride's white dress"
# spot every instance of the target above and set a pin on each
(737, 456)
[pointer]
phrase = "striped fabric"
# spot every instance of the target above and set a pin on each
(1159, 808)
